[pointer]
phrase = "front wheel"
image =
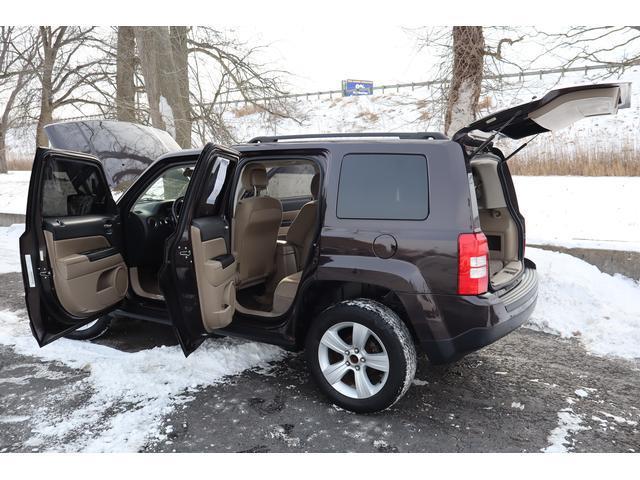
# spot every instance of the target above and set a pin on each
(361, 355)
(91, 330)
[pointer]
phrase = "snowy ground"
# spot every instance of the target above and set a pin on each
(586, 212)
(127, 393)
(14, 187)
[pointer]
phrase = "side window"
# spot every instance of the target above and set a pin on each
(170, 185)
(73, 188)
(290, 181)
(384, 187)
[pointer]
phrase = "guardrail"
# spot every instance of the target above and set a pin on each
(397, 86)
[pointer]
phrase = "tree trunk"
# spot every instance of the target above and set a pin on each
(466, 77)
(166, 79)
(46, 98)
(5, 121)
(147, 48)
(178, 36)
(3, 148)
(125, 71)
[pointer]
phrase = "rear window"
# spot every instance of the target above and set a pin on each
(384, 187)
(290, 181)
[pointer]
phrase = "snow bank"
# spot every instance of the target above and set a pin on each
(9, 248)
(13, 191)
(130, 392)
(575, 299)
(589, 212)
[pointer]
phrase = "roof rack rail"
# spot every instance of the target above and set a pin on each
(399, 135)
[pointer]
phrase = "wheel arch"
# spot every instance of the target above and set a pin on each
(318, 295)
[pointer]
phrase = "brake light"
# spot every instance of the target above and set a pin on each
(473, 264)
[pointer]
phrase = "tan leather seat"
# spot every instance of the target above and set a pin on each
(302, 230)
(255, 229)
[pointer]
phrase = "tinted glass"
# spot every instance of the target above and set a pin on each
(290, 181)
(378, 186)
(74, 188)
(171, 184)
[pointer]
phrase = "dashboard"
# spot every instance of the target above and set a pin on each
(148, 225)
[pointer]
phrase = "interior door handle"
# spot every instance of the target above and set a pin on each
(108, 228)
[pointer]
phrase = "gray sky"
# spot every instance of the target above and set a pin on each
(319, 58)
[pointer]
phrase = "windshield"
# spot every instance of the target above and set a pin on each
(172, 184)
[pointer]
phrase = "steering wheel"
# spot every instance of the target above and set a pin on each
(176, 206)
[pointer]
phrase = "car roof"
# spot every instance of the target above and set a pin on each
(327, 144)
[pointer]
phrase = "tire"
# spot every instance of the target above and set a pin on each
(92, 330)
(344, 377)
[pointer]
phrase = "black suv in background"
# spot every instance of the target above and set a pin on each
(363, 249)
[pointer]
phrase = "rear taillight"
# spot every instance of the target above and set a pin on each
(473, 264)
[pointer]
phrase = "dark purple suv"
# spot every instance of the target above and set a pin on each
(364, 249)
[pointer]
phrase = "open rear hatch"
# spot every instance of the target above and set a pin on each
(498, 213)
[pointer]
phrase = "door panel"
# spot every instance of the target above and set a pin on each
(88, 274)
(215, 270)
(198, 271)
(73, 269)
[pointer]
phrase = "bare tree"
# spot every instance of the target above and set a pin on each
(466, 77)
(163, 58)
(16, 52)
(125, 74)
(466, 56)
(68, 68)
(224, 68)
(618, 47)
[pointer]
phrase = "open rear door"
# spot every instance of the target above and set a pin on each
(557, 109)
(72, 265)
(199, 269)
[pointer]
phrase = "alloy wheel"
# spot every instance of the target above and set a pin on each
(353, 360)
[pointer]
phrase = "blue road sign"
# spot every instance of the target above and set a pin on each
(356, 87)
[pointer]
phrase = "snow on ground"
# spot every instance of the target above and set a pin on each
(569, 424)
(9, 248)
(575, 299)
(588, 212)
(13, 191)
(139, 387)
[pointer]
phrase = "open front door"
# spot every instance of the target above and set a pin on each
(199, 269)
(72, 265)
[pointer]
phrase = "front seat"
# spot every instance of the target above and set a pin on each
(302, 230)
(256, 223)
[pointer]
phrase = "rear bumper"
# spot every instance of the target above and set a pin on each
(469, 323)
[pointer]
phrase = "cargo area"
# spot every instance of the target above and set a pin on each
(497, 222)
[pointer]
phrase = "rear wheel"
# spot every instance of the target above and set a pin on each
(361, 355)
(91, 330)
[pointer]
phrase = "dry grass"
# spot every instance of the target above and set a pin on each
(557, 157)
(19, 162)
(485, 103)
(368, 116)
(248, 109)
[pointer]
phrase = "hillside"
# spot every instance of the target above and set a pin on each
(598, 146)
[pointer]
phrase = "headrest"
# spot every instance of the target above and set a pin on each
(315, 184)
(254, 176)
